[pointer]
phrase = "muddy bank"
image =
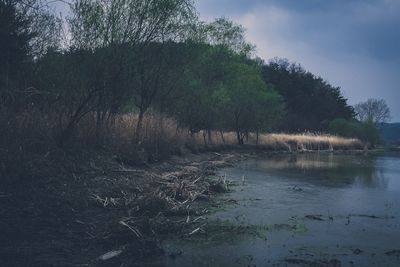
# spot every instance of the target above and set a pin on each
(104, 213)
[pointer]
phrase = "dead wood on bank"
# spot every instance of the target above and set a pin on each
(107, 213)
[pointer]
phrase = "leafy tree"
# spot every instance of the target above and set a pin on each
(224, 89)
(143, 27)
(140, 24)
(204, 71)
(214, 47)
(344, 128)
(373, 110)
(226, 33)
(246, 103)
(311, 102)
(155, 76)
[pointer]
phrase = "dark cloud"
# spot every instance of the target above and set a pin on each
(352, 43)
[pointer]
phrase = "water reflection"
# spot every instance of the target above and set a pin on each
(326, 169)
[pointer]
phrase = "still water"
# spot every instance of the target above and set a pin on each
(308, 210)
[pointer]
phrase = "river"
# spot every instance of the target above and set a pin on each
(315, 209)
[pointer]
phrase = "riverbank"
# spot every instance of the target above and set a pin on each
(105, 212)
(97, 211)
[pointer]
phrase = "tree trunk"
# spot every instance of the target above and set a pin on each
(222, 136)
(257, 136)
(139, 126)
(209, 136)
(239, 137)
(191, 133)
(204, 137)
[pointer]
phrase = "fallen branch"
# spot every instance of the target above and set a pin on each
(135, 231)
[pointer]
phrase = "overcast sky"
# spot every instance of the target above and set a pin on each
(353, 44)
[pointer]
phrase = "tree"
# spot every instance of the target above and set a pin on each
(154, 75)
(205, 68)
(101, 23)
(245, 103)
(373, 110)
(69, 84)
(226, 33)
(144, 26)
(311, 101)
(15, 37)
(27, 30)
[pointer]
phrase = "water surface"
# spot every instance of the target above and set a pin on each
(311, 209)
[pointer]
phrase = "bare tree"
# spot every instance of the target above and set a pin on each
(136, 24)
(101, 23)
(373, 110)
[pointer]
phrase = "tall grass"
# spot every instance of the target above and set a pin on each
(28, 141)
(283, 141)
(311, 141)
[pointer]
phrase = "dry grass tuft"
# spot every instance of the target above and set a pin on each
(310, 141)
(283, 141)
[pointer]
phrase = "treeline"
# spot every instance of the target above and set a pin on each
(162, 61)
(312, 103)
(109, 59)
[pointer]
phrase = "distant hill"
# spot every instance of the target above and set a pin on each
(390, 132)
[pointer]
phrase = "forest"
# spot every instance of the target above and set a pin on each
(99, 76)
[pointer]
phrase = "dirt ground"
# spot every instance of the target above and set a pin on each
(104, 213)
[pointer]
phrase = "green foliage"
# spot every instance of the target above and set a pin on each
(344, 128)
(226, 33)
(369, 133)
(311, 102)
(365, 131)
(224, 91)
(152, 56)
(245, 102)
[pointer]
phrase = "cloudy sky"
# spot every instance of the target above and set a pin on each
(353, 44)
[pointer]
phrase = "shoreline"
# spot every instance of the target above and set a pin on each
(108, 213)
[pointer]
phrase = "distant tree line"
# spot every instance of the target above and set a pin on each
(110, 58)
(371, 114)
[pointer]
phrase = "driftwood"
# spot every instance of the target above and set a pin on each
(111, 254)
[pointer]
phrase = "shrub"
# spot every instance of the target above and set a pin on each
(365, 131)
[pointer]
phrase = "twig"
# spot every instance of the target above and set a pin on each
(194, 231)
(135, 231)
(198, 218)
(195, 181)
